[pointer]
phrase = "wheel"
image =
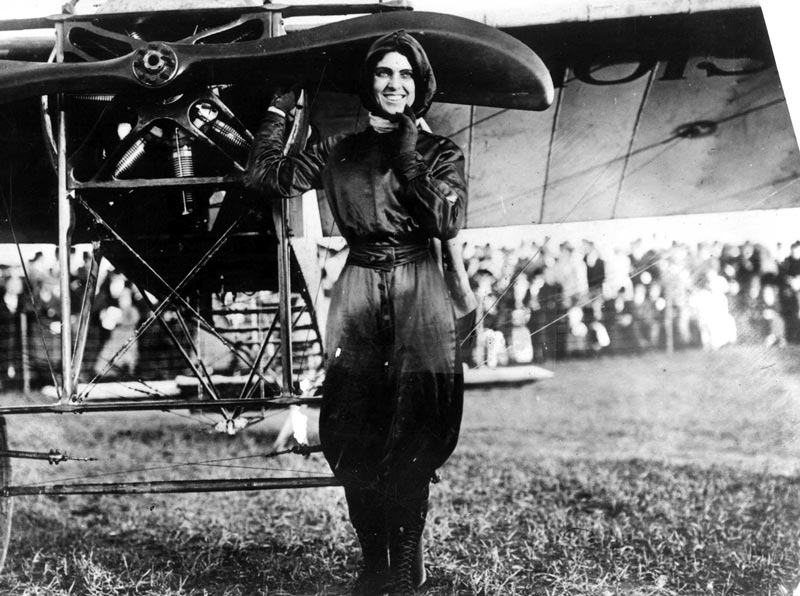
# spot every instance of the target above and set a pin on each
(6, 503)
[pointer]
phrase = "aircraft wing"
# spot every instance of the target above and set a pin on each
(660, 114)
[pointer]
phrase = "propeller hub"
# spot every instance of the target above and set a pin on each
(155, 64)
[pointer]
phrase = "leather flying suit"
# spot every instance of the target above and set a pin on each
(393, 392)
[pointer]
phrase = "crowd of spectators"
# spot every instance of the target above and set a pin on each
(539, 303)
(30, 322)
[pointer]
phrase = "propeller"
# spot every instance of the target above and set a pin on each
(475, 64)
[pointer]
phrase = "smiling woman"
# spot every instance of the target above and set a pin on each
(393, 389)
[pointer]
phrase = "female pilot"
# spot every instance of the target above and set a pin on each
(393, 390)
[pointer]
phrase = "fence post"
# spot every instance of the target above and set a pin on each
(25, 349)
(668, 325)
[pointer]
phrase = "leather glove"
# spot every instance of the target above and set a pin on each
(407, 132)
(285, 99)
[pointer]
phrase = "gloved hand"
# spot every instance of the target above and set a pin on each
(285, 99)
(407, 132)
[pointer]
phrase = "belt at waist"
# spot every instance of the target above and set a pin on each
(385, 258)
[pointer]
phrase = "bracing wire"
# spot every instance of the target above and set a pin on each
(217, 462)
(665, 144)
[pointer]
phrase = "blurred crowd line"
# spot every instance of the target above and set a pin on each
(30, 324)
(539, 303)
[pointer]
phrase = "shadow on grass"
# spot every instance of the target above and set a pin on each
(84, 552)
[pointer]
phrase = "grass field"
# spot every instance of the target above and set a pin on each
(650, 475)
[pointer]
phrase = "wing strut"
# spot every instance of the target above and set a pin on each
(295, 143)
(645, 95)
(553, 129)
(64, 237)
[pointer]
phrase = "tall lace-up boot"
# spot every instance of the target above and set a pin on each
(368, 517)
(405, 534)
(373, 577)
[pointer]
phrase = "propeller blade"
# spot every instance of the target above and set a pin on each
(474, 63)
(20, 79)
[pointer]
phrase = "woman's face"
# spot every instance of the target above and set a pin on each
(393, 83)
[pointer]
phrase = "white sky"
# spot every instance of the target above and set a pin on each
(31, 8)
